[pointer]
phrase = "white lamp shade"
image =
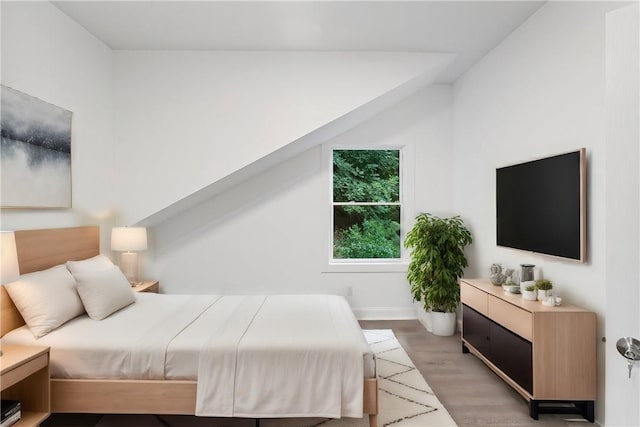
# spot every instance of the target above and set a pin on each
(128, 239)
(9, 269)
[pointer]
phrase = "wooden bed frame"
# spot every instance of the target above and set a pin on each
(41, 249)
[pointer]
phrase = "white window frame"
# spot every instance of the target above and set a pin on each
(366, 265)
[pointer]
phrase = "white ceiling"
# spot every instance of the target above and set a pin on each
(468, 28)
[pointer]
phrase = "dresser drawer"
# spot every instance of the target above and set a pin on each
(474, 298)
(511, 317)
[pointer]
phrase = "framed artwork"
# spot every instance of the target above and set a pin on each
(35, 156)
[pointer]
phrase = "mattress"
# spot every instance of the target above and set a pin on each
(126, 344)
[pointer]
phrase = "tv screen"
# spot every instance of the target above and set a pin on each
(541, 204)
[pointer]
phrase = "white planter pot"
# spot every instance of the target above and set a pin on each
(529, 295)
(443, 324)
(542, 294)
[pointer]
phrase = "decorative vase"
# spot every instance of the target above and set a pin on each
(496, 277)
(526, 272)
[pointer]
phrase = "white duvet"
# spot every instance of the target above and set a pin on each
(252, 356)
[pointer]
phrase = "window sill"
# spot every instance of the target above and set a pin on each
(387, 267)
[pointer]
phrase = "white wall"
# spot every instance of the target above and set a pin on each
(185, 120)
(540, 92)
(47, 55)
(622, 210)
(271, 233)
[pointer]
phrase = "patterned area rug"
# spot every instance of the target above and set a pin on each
(406, 400)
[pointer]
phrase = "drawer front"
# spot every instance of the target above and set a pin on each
(474, 298)
(512, 354)
(475, 330)
(511, 317)
(21, 372)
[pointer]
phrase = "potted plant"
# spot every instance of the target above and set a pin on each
(437, 261)
(544, 288)
(529, 293)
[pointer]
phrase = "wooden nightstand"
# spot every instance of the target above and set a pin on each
(24, 375)
(153, 286)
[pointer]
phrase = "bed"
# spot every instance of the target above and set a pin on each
(174, 389)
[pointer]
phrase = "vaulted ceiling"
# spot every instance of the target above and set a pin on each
(332, 64)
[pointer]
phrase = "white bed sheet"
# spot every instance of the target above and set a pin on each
(284, 355)
(86, 348)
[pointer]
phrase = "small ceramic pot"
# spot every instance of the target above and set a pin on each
(542, 294)
(529, 295)
(524, 285)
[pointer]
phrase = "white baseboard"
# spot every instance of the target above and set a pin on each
(385, 313)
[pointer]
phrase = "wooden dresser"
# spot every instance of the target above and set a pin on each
(547, 354)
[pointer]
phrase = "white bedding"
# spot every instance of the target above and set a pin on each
(253, 356)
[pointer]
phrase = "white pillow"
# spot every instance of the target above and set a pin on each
(104, 291)
(46, 299)
(97, 263)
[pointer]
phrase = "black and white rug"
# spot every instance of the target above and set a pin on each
(405, 399)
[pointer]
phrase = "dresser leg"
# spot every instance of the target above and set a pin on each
(533, 409)
(465, 350)
(588, 410)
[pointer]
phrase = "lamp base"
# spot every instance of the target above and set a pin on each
(129, 266)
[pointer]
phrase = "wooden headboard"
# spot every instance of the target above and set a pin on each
(41, 249)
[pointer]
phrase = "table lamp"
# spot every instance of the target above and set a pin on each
(9, 269)
(129, 240)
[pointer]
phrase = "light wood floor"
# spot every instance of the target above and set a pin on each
(473, 395)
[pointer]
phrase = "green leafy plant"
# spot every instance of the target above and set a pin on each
(530, 288)
(437, 260)
(543, 285)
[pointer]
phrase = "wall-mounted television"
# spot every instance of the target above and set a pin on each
(541, 206)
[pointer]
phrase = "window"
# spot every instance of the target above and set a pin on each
(366, 205)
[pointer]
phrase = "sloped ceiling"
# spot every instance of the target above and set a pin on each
(210, 93)
(192, 124)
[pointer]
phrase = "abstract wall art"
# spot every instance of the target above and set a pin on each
(35, 156)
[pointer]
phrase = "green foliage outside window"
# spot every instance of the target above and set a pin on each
(366, 195)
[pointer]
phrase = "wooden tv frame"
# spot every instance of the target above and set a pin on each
(42, 249)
